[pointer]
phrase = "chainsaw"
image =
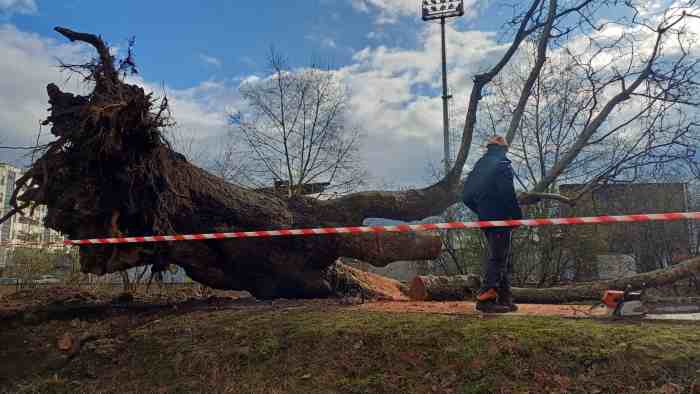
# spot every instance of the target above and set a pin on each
(633, 303)
(624, 303)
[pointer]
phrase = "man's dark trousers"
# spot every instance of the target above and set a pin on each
(498, 266)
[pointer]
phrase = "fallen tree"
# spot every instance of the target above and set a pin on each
(110, 172)
(446, 288)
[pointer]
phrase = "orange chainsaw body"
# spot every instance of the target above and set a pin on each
(611, 298)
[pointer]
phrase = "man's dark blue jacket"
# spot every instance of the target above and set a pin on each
(488, 190)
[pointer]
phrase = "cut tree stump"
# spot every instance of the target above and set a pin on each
(349, 281)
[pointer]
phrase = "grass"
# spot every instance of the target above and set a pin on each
(338, 350)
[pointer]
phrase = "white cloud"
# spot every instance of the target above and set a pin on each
(374, 35)
(30, 59)
(248, 61)
(621, 55)
(360, 5)
(18, 7)
(200, 113)
(329, 42)
(395, 91)
(323, 40)
(404, 126)
(388, 10)
(211, 60)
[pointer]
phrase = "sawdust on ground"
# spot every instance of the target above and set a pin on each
(467, 308)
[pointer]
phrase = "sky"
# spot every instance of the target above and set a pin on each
(198, 54)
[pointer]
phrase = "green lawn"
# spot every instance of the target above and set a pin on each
(337, 350)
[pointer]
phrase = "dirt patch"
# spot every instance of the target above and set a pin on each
(468, 308)
(35, 306)
(10, 297)
(184, 299)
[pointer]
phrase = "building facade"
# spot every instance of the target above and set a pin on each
(20, 230)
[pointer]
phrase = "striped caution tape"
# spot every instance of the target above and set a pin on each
(392, 229)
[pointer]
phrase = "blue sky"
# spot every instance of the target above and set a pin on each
(184, 44)
(199, 54)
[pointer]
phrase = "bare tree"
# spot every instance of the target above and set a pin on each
(226, 162)
(603, 107)
(222, 159)
(554, 103)
(184, 142)
(295, 129)
(645, 138)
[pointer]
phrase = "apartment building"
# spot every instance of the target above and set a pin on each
(20, 229)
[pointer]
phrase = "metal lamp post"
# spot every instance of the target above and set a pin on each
(443, 9)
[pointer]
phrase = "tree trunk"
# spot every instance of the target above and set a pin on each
(111, 173)
(443, 288)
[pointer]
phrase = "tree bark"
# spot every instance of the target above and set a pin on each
(443, 288)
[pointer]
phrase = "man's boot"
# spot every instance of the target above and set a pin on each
(505, 298)
(487, 302)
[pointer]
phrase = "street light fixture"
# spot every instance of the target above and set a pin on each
(443, 9)
(440, 9)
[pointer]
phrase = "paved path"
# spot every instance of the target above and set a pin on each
(675, 316)
(467, 308)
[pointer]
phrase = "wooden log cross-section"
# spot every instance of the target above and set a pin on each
(461, 287)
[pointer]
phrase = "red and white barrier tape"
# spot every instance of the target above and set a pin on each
(396, 228)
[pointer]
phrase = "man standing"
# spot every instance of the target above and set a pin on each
(489, 192)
